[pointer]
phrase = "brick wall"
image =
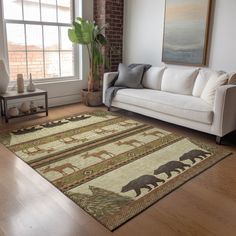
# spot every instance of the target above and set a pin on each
(17, 62)
(111, 12)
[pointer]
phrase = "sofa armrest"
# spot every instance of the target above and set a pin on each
(107, 82)
(225, 110)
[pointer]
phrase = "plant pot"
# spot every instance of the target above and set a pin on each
(92, 99)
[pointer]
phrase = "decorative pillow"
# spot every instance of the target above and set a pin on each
(232, 78)
(209, 92)
(131, 66)
(178, 80)
(146, 66)
(153, 77)
(202, 79)
(130, 77)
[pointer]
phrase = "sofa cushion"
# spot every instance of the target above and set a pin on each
(153, 77)
(200, 84)
(209, 92)
(203, 76)
(187, 107)
(130, 77)
(178, 80)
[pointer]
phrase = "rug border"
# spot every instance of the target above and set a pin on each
(37, 122)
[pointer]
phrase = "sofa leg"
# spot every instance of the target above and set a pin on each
(218, 140)
(109, 108)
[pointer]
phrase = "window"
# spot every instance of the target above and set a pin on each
(37, 41)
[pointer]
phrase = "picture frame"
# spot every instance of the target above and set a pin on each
(186, 32)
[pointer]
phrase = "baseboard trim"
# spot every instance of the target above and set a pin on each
(65, 100)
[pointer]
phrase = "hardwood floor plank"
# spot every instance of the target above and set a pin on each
(30, 205)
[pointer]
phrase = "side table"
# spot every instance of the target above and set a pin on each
(13, 95)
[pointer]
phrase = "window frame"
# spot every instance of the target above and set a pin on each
(75, 48)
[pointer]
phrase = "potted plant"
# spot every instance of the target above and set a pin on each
(89, 34)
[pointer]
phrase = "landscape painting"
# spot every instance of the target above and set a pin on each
(186, 31)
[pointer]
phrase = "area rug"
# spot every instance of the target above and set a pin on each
(111, 166)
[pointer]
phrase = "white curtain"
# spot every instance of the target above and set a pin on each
(3, 49)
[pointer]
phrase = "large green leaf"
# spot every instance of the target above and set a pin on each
(79, 33)
(82, 36)
(72, 36)
(87, 29)
(88, 33)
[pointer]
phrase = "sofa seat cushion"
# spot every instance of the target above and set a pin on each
(187, 107)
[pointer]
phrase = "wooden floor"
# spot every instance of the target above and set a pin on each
(29, 205)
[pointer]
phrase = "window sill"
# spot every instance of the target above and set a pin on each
(12, 84)
(56, 81)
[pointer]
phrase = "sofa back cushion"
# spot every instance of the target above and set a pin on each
(215, 81)
(153, 77)
(203, 76)
(179, 80)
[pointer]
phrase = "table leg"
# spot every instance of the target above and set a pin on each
(2, 112)
(5, 110)
(46, 103)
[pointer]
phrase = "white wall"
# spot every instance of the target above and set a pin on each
(143, 33)
(65, 92)
(143, 30)
(223, 48)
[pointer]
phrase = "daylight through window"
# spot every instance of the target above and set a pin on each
(37, 40)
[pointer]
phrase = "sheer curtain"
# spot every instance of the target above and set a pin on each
(3, 50)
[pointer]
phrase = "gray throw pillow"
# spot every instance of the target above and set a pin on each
(130, 77)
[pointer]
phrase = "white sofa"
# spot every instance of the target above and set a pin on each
(175, 95)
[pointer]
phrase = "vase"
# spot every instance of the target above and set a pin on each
(31, 86)
(20, 83)
(4, 78)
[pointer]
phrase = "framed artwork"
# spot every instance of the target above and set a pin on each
(186, 31)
